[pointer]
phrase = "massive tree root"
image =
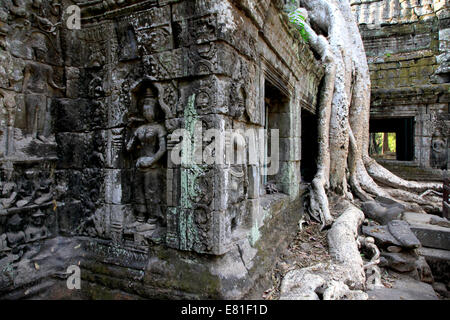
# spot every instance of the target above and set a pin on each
(344, 165)
(342, 278)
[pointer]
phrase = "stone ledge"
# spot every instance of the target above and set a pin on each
(432, 236)
(439, 262)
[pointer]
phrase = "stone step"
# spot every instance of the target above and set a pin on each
(432, 236)
(433, 253)
(41, 285)
(404, 289)
(416, 218)
(423, 218)
(439, 262)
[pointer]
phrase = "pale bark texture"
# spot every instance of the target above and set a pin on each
(344, 165)
(344, 277)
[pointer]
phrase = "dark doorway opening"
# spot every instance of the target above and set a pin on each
(309, 146)
(277, 118)
(392, 138)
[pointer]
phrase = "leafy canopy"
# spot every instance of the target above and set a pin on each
(298, 21)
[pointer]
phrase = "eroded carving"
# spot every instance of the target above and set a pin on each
(149, 142)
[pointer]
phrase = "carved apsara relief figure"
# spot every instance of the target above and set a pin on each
(149, 144)
(438, 151)
(36, 230)
(37, 77)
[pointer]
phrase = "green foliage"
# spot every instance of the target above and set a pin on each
(290, 6)
(392, 141)
(298, 20)
(378, 141)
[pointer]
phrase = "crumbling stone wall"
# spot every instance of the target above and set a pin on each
(407, 45)
(99, 125)
(31, 77)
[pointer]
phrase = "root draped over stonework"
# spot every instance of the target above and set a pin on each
(344, 165)
(342, 278)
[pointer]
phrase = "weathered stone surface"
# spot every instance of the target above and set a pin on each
(415, 218)
(394, 249)
(419, 218)
(381, 235)
(401, 262)
(432, 236)
(439, 262)
(404, 289)
(87, 139)
(407, 44)
(402, 232)
(441, 288)
(382, 213)
(424, 271)
(438, 221)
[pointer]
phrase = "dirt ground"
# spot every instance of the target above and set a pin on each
(308, 248)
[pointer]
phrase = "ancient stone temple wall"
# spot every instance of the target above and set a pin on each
(97, 130)
(407, 45)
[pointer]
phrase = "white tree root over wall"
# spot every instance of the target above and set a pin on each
(344, 165)
(344, 278)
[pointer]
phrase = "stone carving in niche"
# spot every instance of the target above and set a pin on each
(238, 183)
(36, 230)
(38, 76)
(154, 40)
(22, 231)
(14, 236)
(204, 29)
(96, 92)
(100, 45)
(438, 151)
(128, 48)
(238, 98)
(148, 145)
(31, 188)
(8, 110)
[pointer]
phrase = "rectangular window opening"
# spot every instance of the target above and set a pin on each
(392, 139)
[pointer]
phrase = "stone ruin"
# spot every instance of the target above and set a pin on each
(88, 127)
(88, 118)
(407, 44)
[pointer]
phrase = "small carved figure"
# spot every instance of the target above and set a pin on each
(4, 28)
(9, 195)
(150, 141)
(96, 59)
(438, 153)
(3, 243)
(271, 188)
(44, 192)
(9, 105)
(18, 9)
(55, 8)
(97, 158)
(37, 77)
(9, 188)
(14, 235)
(128, 44)
(36, 230)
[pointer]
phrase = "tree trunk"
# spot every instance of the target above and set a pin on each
(344, 165)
